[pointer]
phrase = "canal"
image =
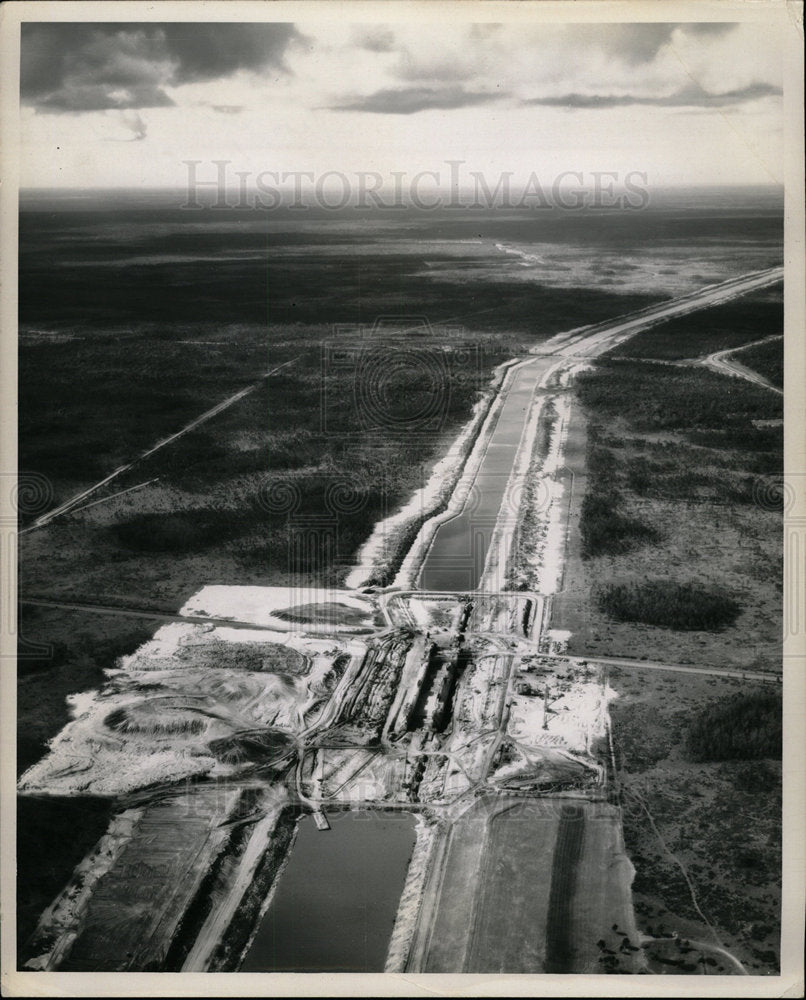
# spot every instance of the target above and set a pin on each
(456, 558)
(336, 902)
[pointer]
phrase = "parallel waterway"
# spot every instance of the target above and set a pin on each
(336, 902)
(456, 558)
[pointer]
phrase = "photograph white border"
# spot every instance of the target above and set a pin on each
(789, 16)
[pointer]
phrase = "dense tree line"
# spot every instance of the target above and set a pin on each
(606, 531)
(744, 727)
(668, 604)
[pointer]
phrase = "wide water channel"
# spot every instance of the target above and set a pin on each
(337, 898)
(457, 555)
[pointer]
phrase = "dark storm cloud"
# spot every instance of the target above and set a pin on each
(409, 100)
(91, 67)
(211, 51)
(692, 96)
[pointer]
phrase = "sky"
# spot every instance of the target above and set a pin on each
(128, 104)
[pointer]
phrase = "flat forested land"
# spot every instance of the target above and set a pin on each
(286, 484)
(680, 511)
(679, 559)
(720, 817)
(766, 359)
(717, 329)
(151, 319)
(133, 323)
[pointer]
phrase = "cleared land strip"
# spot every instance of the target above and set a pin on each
(615, 661)
(224, 912)
(528, 886)
(567, 857)
(73, 502)
(137, 906)
(601, 337)
(102, 609)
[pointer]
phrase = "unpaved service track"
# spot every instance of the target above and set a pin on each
(225, 404)
(725, 363)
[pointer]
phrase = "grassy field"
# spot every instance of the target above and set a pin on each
(719, 819)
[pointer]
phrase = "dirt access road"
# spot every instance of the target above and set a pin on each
(724, 363)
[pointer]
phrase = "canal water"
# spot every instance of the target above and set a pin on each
(336, 902)
(457, 555)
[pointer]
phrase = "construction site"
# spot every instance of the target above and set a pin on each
(420, 771)
(457, 726)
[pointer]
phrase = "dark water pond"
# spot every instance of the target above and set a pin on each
(336, 902)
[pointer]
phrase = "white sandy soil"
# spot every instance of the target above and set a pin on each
(258, 604)
(176, 708)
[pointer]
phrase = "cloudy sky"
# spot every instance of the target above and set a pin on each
(120, 104)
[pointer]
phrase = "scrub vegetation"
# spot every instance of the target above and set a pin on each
(766, 359)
